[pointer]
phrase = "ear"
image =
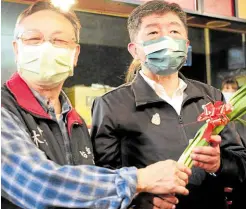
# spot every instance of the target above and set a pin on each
(187, 43)
(77, 52)
(133, 50)
(15, 48)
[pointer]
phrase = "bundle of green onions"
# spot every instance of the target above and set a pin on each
(238, 103)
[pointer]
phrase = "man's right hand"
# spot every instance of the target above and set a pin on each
(165, 177)
(153, 201)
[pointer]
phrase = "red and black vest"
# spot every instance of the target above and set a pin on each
(19, 100)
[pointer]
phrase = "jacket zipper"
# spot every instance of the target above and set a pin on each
(180, 118)
(181, 122)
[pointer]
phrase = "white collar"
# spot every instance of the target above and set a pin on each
(182, 85)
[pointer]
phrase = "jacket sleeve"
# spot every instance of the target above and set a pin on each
(233, 154)
(104, 137)
(241, 129)
(30, 180)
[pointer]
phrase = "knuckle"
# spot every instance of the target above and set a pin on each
(169, 206)
(176, 179)
(157, 202)
(200, 164)
(186, 176)
(172, 188)
(197, 157)
(165, 205)
(169, 161)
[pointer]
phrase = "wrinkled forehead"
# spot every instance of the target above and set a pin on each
(47, 22)
(163, 19)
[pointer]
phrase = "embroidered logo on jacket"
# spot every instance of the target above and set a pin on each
(37, 135)
(85, 153)
(156, 120)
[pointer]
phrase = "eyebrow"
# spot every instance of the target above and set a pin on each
(152, 25)
(61, 32)
(174, 23)
(57, 32)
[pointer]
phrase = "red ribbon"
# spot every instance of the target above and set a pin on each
(215, 115)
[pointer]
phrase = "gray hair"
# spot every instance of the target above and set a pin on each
(39, 6)
(149, 8)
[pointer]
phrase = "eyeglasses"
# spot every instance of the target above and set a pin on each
(35, 37)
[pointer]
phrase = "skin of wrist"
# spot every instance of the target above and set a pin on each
(140, 183)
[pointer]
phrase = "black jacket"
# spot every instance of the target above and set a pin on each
(241, 129)
(19, 100)
(123, 135)
(239, 192)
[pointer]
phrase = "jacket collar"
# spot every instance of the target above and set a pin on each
(144, 94)
(26, 100)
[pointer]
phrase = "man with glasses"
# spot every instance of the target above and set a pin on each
(47, 156)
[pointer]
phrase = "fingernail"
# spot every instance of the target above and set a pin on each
(174, 206)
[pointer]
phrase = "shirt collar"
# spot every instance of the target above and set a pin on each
(27, 101)
(182, 85)
(144, 94)
(44, 102)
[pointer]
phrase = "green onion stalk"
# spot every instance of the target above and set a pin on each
(238, 103)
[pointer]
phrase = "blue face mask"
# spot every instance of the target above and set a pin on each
(165, 56)
(228, 96)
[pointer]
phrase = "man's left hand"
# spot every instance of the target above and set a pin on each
(208, 157)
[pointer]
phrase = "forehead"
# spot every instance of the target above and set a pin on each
(163, 20)
(230, 86)
(47, 22)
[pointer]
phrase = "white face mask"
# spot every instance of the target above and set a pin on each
(45, 65)
(228, 96)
